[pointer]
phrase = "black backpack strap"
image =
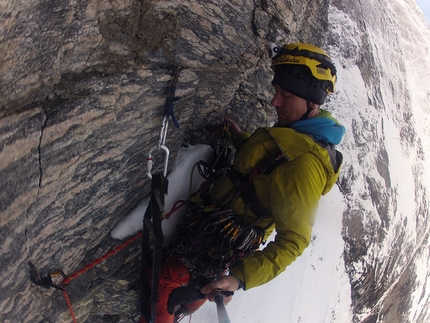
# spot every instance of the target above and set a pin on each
(152, 227)
(244, 182)
(249, 198)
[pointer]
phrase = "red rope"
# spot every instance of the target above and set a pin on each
(91, 265)
(101, 259)
(69, 305)
(178, 204)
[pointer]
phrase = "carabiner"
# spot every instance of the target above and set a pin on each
(149, 162)
(170, 99)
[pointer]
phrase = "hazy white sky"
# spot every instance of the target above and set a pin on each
(425, 8)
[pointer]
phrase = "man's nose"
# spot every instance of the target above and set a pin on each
(276, 101)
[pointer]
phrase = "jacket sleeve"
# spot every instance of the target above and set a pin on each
(240, 139)
(295, 189)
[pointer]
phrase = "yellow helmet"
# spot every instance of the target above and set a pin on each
(304, 70)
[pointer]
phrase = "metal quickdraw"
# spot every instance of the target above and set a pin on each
(168, 112)
(154, 215)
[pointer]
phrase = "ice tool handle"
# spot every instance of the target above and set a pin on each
(168, 112)
(219, 300)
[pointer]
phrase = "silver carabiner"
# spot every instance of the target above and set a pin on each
(163, 132)
(149, 161)
(161, 146)
(164, 125)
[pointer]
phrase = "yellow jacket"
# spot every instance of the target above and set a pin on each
(290, 194)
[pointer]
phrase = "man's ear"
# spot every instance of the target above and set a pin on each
(314, 106)
(314, 109)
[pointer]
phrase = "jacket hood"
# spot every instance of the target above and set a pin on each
(323, 127)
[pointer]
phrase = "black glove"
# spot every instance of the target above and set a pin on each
(187, 294)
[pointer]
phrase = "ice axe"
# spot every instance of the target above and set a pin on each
(219, 300)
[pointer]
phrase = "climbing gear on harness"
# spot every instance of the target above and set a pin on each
(211, 237)
(168, 112)
(209, 242)
(154, 215)
(303, 70)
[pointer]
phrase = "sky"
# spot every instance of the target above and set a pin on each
(425, 8)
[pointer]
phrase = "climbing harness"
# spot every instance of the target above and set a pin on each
(46, 282)
(154, 215)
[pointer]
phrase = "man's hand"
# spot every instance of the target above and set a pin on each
(224, 283)
(234, 128)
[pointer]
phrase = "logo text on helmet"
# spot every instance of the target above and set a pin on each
(288, 59)
(292, 60)
(321, 71)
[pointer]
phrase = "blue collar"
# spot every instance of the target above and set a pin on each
(322, 128)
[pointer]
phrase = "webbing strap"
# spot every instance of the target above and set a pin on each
(244, 182)
(152, 226)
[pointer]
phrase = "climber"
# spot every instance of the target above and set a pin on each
(278, 177)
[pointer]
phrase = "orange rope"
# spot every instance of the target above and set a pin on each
(69, 305)
(91, 265)
(101, 259)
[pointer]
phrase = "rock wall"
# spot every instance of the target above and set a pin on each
(82, 90)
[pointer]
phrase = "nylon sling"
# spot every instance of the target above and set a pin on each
(152, 228)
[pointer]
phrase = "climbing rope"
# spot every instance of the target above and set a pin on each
(178, 204)
(46, 282)
(69, 306)
(101, 259)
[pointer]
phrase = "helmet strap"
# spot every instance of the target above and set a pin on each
(308, 102)
(308, 111)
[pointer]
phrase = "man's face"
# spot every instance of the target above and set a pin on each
(289, 107)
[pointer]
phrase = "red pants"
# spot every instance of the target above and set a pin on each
(173, 274)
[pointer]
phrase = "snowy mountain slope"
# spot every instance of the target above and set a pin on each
(386, 172)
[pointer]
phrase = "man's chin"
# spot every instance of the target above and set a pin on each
(283, 121)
